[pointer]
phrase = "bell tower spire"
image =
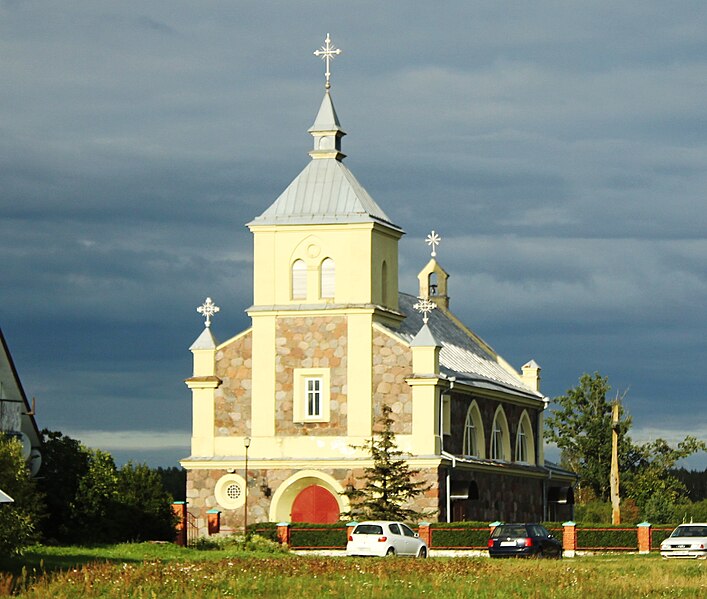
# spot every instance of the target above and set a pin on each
(326, 130)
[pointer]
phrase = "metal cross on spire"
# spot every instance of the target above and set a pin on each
(208, 309)
(327, 52)
(433, 241)
(425, 306)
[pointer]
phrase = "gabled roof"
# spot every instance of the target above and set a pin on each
(14, 392)
(326, 191)
(462, 355)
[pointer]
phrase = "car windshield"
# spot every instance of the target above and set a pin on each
(690, 531)
(368, 529)
(509, 531)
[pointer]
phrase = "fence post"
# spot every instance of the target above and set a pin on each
(283, 533)
(213, 521)
(644, 537)
(179, 508)
(425, 533)
(349, 529)
(493, 525)
(569, 538)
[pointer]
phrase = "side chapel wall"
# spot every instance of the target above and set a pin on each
(232, 399)
(392, 364)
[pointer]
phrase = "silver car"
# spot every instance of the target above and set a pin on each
(686, 541)
(383, 537)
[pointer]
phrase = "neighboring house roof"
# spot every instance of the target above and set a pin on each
(463, 355)
(11, 390)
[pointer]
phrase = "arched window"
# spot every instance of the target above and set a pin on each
(473, 433)
(432, 281)
(328, 278)
(525, 445)
(299, 280)
(384, 283)
(500, 444)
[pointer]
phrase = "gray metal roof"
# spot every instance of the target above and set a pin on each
(461, 355)
(326, 191)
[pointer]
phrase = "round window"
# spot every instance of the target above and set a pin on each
(230, 491)
(233, 491)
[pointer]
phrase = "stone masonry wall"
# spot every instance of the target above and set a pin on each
(392, 364)
(232, 397)
(311, 342)
(201, 498)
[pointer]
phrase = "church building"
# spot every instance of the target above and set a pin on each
(331, 341)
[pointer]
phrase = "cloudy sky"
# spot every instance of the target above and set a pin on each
(560, 149)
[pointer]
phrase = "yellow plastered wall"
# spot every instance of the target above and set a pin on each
(358, 251)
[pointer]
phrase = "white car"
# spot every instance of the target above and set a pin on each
(686, 541)
(382, 537)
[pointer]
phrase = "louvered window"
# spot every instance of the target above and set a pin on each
(328, 280)
(299, 280)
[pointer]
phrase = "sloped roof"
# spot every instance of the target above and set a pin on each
(326, 191)
(461, 355)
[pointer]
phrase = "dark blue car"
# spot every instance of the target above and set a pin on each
(523, 540)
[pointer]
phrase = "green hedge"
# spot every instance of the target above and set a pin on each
(607, 537)
(658, 535)
(459, 535)
(318, 536)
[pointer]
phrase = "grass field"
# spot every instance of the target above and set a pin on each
(157, 571)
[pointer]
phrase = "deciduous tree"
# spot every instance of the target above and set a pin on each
(580, 425)
(18, 520)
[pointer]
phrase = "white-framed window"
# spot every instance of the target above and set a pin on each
(299, 280)
(328, 279)
(313, 408)
(525, 444)
(311, 395)
(230, 491)
(473, 445)
(500, 444)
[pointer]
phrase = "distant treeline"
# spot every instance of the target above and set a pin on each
(174, 481)
(694, 480)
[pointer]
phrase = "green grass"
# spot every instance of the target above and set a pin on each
(162, 571)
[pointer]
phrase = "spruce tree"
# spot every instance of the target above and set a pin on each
(389, 485)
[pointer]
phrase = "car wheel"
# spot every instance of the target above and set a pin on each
(390, 552)
(423, 552)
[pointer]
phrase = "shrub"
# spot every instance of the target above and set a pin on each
(18, 520)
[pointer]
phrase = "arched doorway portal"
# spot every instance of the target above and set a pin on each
(315, 504)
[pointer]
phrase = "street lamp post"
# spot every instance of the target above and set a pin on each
(246, 443)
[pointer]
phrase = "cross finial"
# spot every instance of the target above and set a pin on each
(425, 306)
(433, 241)
(208, 309)
(327, 52)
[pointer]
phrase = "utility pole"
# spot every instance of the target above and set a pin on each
(614, 477)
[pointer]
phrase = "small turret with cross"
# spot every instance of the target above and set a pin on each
(433, 278)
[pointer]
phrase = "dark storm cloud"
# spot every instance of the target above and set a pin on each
(560, 150)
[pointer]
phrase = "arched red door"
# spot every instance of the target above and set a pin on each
(315, 504)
